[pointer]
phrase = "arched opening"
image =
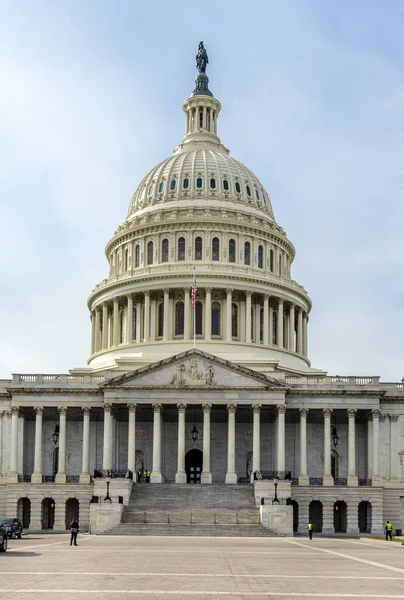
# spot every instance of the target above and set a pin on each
(164, 251)
(271, 260)
(365, 517)
(295, 506)
(215, 249)
(160, 320)
(181, 248)
(232, 251)
(48, 513)
(72, 511)
(316, 515)
(216, 318)
(340, 517)
(334, 464)
(24, 512)
(193, 465)
(247, 253)
(198, 248)
(137, 256)
(260, 257)
(150, 253)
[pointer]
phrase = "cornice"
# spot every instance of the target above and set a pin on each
(333, 392)
(55, 391)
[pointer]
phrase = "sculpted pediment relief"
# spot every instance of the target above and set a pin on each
(194, 368)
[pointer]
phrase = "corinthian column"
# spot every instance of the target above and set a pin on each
(166, 315)
(107, 451)
(208, 314)
(248, 317)
(61, 474)
(206, 476)
(299, 336)
(132, 440)
(231, 476)
(156, 476)
(292, 328)
(13, 472)
(303, 477)
(116, 323)
(85, 462)
(129, 319)
(256, 437)
(266, 320)
(352, 477)
(281, 410)
(377, 480)
(36, 476)
(229, 293)
(146, 326)
(105, 326)
(327, 477)
(181, 476)
(279, 324)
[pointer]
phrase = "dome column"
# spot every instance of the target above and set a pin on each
(116, 322)
(146, 327)
(266, 320)
(279, 324)
(257, 337)
(166, 332)
(248, 317)
(138, 321)
(104, 326)
(229, 293)
(97, 330)
(92, 335)
(305, 319)
(187, 314)
(129, 319)
(299, 340)
(292, 328)
(208, 314)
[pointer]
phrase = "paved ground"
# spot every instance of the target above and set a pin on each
(46, 567)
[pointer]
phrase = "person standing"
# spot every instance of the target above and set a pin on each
(310, 528)
(389, 531)
(74, 529)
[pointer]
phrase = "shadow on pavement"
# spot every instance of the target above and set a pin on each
(11, 553)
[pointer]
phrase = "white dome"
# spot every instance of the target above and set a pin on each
(207, 173)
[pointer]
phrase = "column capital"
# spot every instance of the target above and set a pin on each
(147, 293)
(393, 418)
(132, 407)
(351, 412)
(181, 408)
(229, 291)
(249, 293)
(231, 408)
(62, 410)
(382, 417)
(207, 408)
(266, 297)
(38, 410)
(208, 290)
(280, 409)
(129, 296)
(303, 412)
(14, 410)
(187, 289)
(327, 412)
(157, 408)
(376, 414)
(86, 410)
(281, 300)
(107, 408)
(256, 408)
(115, 300)
(166, 291)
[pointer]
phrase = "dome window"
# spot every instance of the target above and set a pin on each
(234, 320)
(257, 195)
(248, 190)
(150, 253)
(271, 260)
(181, 248)
(212, 183)
(215, 318)
(179, 318)
(123, 328)
(232, 251)
(238, 188)
(161, 187)
(198, 318)
(247, 253)
(164, 251)
(260, 257)
(137, 256)
(215, 248)
(151, 188)
(199, 182)
(160, 315)
(225, 185)
(185, 184)
(198, 248)
(134, 319)
(173, 184)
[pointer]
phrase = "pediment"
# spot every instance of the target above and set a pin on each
(194, 369)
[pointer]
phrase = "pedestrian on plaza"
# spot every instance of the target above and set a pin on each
(389, 531)
(139, 475)
(310, 528)
(74, 529)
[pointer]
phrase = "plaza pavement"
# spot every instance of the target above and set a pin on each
(44, 567)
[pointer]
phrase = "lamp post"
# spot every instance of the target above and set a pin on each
(276, 482)
(108, 497)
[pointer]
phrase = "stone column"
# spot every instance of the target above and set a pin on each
(1, 442)
(153, 319)
(206, 476)
(280, 411)
(305, 341)
(279, 324)
(85, 464)
(129, 321)
(292, 346)
(256, 437)
(60, 515)
(166, 315)
(377, 480)
(352, 525)
(328, 515)
(208, 314)
(229, 293)
(181, 476)
(107, 451)
(139, 308)
(105, 326)
(132, 440)
(266, 320)
(156, 476)
(231, 476)
(303, 517)
(36, 476)
(352, 477)
(303, 477)
(97, 345)
(395, 474)
(248, 317)
(21, 445)
(299, 336)
(271, 325)
(13, 472)
(327, 477)
(257, 328)
(92, 333)
(187, 314)
(61, 474)
(369, 445)
(116, 322)
(146, 326)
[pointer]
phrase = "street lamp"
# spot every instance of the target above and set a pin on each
(194, 433)
(334, 435)
(55, 435)
(108, 497)
(276, 482)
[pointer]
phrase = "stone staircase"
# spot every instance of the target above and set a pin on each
(181, 509)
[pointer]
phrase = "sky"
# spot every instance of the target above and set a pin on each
(312, 97)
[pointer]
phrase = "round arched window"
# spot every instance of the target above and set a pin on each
(248, 190)
(225, 185)
(199, 182)
(173, 184)
(238, 188)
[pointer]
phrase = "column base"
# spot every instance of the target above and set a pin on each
(181, 477)
(156, 477)
(377, 481)
(303, 480)
(60, 478)
(34, 526)
(206, 477)
(352, 530)
(328, 480)
(231, 478)
(394, 482)
(85, 478)
(12, 477)
(352, 481)
(36, 478)
(59, 526)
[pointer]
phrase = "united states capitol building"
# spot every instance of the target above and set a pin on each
(212, 386)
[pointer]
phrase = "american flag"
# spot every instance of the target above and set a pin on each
(193, 291)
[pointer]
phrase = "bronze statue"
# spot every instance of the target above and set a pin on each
(201, 58)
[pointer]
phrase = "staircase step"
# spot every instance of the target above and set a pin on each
(191, 530)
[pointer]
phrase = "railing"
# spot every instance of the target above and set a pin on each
(113, 474)
(283, 475)
(341, 481)
(48, 479)
(337, 380)
(72, 478)
(364, 482)
(24, 478)
(60, 380)
(295, 481)
(315, 481)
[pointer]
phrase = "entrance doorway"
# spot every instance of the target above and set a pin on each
(24, 511)
(193, 465)
(48, 513)
(72, 510)
(316, 515)
(365, 517)
(340, 517)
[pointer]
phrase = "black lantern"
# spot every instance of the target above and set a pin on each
(55, 435)
(334, 436)
(194, 433)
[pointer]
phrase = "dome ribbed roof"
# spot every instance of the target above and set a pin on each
(179, 177)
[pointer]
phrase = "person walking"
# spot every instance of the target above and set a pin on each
(310, 528)
(389, 531)
(74, 529)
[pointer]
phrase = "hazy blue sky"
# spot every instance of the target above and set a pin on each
(313, 102)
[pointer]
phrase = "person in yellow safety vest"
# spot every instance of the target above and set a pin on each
(389, 531)
(310, 528)
(139, 475)
(147, 476)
